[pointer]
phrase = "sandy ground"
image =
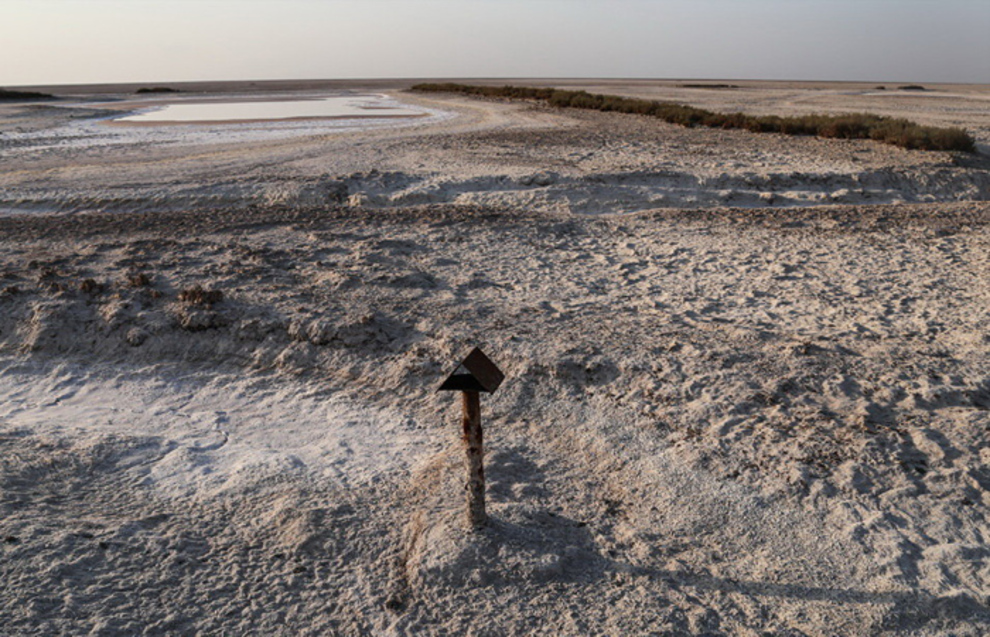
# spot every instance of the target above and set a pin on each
(718, 418)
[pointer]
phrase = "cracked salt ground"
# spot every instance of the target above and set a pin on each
(199, 434)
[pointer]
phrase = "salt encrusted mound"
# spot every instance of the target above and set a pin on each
(520, 545)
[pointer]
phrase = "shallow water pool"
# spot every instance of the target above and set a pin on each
(247, 110)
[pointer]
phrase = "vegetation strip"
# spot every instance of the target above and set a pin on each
(889, 130)
(7, 94)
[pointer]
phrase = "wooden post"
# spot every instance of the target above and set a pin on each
(474, 445)
(476, 373)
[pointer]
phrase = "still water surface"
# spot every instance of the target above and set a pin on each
(328, 107)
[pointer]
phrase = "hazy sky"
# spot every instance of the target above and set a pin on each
(86, 41)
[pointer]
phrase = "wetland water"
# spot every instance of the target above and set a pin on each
(362, 106)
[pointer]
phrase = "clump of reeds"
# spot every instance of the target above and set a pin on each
(899, 132)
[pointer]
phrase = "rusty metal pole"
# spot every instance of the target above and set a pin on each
(474, 445)
(476, 373)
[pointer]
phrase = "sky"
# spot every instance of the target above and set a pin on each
(95, 41)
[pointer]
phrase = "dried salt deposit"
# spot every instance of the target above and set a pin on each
(721, 415)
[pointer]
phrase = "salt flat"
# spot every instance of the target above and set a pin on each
(473, 152)
(722, 414)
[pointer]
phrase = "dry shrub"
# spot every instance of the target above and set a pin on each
(156, 89)
(6, 94)
(197, 295)
(90, 286)
(139, 280)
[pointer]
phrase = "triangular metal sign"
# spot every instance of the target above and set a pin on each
(475, 373)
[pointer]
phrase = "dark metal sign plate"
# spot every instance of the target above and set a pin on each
(475, 373)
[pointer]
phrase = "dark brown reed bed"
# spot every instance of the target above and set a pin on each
(889, 130)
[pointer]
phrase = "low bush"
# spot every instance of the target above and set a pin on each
(899, 132)
(6, 94)
(721, 86)
(156, 89)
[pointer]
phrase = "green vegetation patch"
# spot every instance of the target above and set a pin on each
(889, 130)
(23, 95)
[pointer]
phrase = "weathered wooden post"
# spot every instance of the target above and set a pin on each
(476, 373)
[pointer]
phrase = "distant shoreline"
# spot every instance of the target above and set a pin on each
(227, 86)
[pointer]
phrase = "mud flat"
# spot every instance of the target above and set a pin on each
(218, 409)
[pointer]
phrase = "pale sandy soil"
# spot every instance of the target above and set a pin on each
(716, 420)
